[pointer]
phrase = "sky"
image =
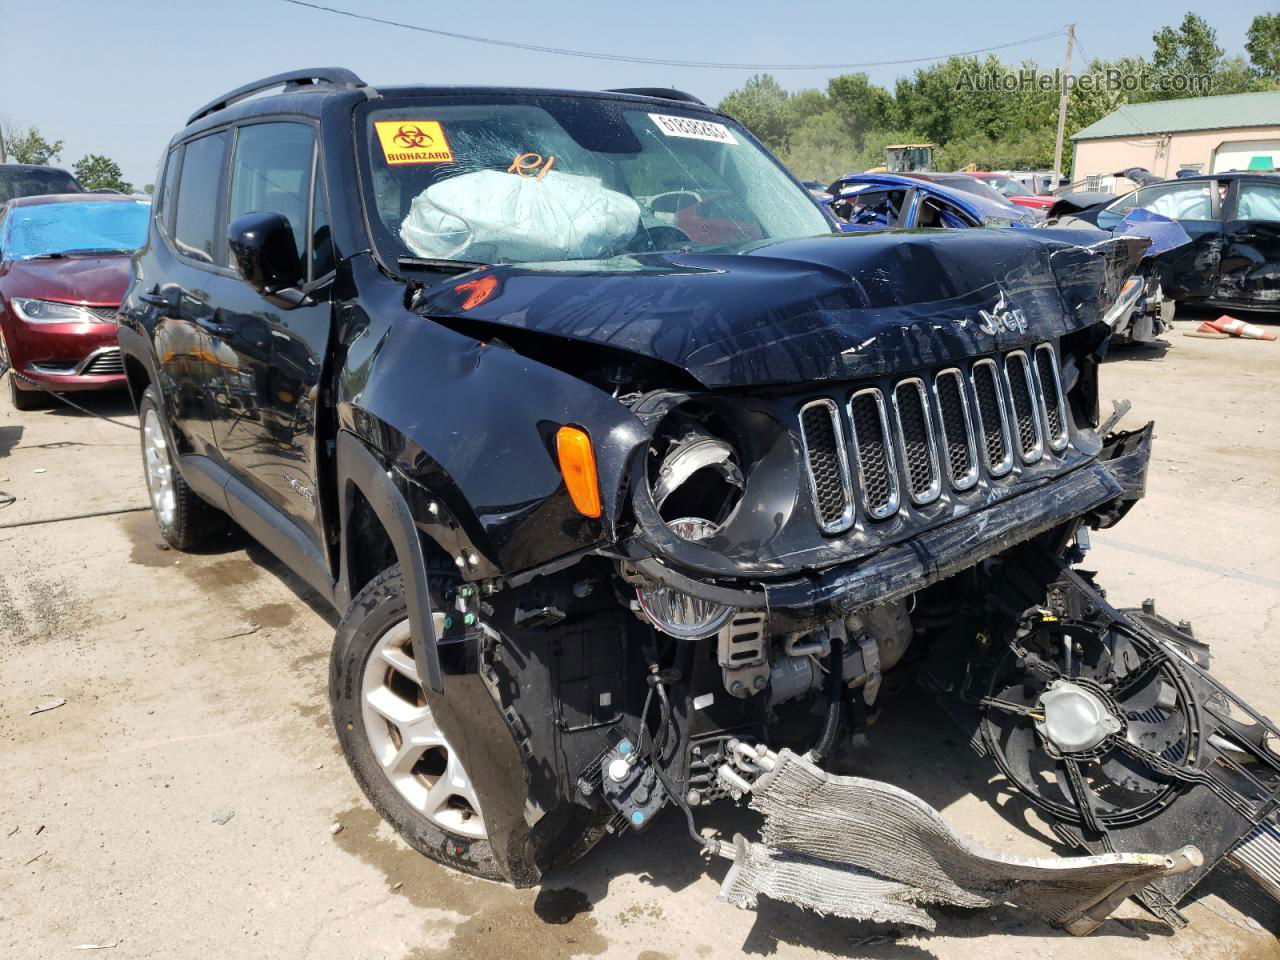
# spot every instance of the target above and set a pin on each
(121, 78)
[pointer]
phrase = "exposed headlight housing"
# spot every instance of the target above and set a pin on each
(678, 614)
(47, 311)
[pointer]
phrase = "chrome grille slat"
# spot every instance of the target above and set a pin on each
(1053, 405)
(1025, 408)
(873, 453)
(993, 417)
(915, 440)
(956, 421)
(828, 465)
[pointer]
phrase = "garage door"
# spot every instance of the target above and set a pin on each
(1260, 155)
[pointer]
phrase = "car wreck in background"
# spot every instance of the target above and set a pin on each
(622, 518)
(875, 201)
(1233, 222)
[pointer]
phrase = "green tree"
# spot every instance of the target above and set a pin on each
(1263, 43)
(762, 107)
(29, 146)
(860, 105)
(97, 172)
(1191, 48)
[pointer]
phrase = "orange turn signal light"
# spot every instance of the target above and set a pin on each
(578, 465)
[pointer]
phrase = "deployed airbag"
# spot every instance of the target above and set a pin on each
(494, 216)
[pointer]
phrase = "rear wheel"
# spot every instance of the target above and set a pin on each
(183, 518)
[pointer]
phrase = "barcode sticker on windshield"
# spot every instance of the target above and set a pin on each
(692, 129)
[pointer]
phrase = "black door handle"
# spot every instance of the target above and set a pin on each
(223, 330)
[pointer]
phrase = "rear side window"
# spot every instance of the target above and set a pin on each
(196, 223)
(1259, 201)
(271, 173)
(168, 188)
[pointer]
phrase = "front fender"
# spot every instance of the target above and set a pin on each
(471, 427)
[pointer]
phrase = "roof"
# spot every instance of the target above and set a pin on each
(1192, 113)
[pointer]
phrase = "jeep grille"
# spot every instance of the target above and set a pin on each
(922, 434)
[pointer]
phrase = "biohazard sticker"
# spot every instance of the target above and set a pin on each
(413, 141)
(692, 129)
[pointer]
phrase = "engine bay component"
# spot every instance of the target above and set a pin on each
(867, 850)
(631, 785)
(742, 650)
(1073, 718)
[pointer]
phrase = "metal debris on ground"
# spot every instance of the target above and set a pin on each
(97, 946)
(222, 817)
(47, 706)
(866, 850)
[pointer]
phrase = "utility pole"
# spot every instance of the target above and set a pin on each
(3, 157)
(1062, 109)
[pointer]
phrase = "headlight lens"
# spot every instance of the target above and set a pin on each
(46, 311)
(678, 614)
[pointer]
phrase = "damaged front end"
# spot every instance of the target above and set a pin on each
(875, 484)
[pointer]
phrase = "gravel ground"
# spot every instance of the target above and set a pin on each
(179, 804)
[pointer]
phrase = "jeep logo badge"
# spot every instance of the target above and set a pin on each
(1002, 317)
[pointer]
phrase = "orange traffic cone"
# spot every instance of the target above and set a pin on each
(1238, 328)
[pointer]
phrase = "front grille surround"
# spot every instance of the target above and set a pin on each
(1026, 418)
(948, 430)
(1053, 402)
(993, 416)
(873, 454)
(827, 464)
(956, 420)
(916, 443)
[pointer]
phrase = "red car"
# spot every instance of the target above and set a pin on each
(64, 267)
(1015, 192)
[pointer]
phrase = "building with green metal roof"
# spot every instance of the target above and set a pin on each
(1240, 131)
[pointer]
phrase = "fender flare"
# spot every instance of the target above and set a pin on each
(358, 469)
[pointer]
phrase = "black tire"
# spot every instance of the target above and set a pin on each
(26, 399)
(194, 521)
(379, 607)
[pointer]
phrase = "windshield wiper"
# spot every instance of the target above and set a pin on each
(46, 256)
(438, 265)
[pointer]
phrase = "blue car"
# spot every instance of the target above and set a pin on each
(876, 201)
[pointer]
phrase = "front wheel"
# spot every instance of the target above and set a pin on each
(402, 761)
(412, 774)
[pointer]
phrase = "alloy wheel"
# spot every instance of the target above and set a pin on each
(159, 468)
(408, 744)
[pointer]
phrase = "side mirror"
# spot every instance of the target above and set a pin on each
(266, 254)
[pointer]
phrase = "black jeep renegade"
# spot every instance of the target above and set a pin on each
(634, 483)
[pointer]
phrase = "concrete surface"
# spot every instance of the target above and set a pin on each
(180, 803)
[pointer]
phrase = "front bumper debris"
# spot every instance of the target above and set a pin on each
(1103, 491)
(866, 850)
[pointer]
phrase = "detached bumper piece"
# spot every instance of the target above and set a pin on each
(865, 850)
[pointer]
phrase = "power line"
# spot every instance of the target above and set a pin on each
(656, 61)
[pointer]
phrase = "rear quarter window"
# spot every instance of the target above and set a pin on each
(199, 187)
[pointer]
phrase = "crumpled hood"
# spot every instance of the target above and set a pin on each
(94, 281)
(833, 307)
